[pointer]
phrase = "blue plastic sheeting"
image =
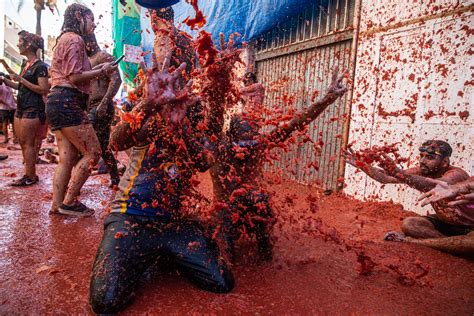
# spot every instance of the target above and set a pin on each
(250, 18)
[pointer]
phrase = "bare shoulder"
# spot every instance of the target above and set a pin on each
(454, 175)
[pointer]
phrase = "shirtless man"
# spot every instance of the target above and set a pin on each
(239, 156)
(253, 92)
(449, 220)
(101, 107)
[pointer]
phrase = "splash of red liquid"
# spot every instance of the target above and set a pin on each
(199, 19)
(205, 48)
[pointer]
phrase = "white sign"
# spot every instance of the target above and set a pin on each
(133, 54)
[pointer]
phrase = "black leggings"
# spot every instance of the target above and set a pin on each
(131, 244)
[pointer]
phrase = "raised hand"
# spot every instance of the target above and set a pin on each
(159, 85)
(227, 51)
(175, 112)
(351, 158)
(337, 88)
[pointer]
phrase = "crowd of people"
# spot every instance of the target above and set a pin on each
(174, 130)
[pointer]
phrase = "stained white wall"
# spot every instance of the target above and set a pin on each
(415, 56)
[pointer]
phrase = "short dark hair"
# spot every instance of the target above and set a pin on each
(442, 147)
(250, 75)
(165, 14)
(239, 126)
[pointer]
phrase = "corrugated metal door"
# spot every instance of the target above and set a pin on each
(294, 62)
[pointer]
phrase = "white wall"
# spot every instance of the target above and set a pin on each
(416, 56)
(2, 31)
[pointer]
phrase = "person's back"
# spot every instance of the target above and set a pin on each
(7, 101)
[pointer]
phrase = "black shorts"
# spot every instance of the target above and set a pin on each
(66, 107)
(7, 116)
(447, 229)
(31, 114)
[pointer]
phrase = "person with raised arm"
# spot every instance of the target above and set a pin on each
(146, 220)
(71, 76)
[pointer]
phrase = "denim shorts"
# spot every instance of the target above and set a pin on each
(31, 114)
(66, 107)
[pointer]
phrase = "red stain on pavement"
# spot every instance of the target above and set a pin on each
(329, 259)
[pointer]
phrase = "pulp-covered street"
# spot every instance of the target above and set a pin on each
(46, 260)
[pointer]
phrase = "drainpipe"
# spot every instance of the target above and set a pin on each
(345, 133)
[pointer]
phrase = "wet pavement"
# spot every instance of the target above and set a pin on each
(46, 260)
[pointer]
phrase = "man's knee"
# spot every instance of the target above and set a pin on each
(414, 226)
(103, 305)
(107, 299)
(224, 283)
(410, 224)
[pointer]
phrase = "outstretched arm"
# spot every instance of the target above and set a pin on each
(375, 173)
(336, 89)
(41, 88)
(10, 83)
(414, 179)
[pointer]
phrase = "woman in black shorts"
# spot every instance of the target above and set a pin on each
(78, 146)
(32, 84)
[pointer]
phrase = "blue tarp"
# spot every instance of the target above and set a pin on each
(250, 18)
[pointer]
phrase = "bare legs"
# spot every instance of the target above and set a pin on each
(419, 227)
(421, 231)
(5, 130)
(79, 149)
(26, 130)
(457, 245)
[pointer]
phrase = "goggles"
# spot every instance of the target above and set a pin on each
(245, 143)
(430, 150)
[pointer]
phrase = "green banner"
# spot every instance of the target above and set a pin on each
(125, 30)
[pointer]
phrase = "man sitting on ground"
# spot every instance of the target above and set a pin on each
(434, 162)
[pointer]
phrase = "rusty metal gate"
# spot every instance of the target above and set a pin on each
(294, 62)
